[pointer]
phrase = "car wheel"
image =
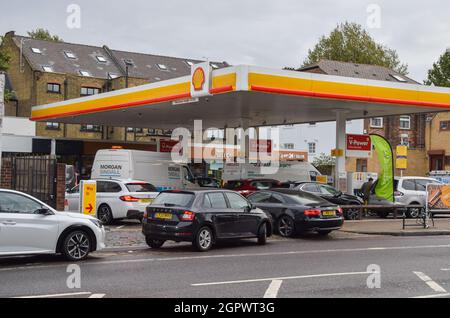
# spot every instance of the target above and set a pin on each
(262, 234)
(76, 245)
(351, 214)
(203, 240)
(323, 233)
(286, 226)
(104, 214)
(155, 244)
(413, 213)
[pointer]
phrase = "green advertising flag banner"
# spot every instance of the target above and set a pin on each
(385, 184)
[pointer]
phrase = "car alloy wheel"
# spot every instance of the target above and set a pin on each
(286, 226)
(77, 245)
(414, 213)
(262, 234)
(352, 214)
(104, 214)
(204, 239)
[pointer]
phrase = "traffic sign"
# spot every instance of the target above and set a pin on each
(88, 197)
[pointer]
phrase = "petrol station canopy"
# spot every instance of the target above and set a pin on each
(254, 95)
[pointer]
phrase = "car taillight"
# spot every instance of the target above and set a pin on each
(340, 211)
(128, 198)
(398, 194)
(188, 216)
(312, 212)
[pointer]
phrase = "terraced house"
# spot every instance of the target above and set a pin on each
(43, 72)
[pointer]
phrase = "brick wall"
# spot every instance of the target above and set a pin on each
(6, 174)
(60, 186)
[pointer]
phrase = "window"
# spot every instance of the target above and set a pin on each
(47, 69)
(135, 130)
(215, 66)
(101, 59)
(51, 126)
(90, 128)
(260, 197)
(236, 201)
(262, 185)
(53, 88)
(312, 147)
(288, 146)
(217, 200)
(444, 125)
(190, 63)
(70, 55)
(421, 184)
(182, 199)
(16, 203)
(85, 73)
(140, 187)
(36, 50)
(409, 184)
(108, 187)
(310, 187)
(87, 91)
(405, 122)
(361, 165)
(162, 67)
(112, 76)
(376, 122)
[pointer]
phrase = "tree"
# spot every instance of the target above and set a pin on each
(43, 34)
(439, 74)
(4, 59)
(324, 163)
(349, 42)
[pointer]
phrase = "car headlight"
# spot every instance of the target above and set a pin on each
(97, 223)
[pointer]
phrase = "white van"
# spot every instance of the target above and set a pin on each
(287, 171)
(153, 167)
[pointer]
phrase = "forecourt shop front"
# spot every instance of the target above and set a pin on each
(248, 96)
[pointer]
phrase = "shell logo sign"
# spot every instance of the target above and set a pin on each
(200, 79)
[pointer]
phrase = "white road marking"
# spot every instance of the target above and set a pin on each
(182, 258)
(280, 278)
(431, 283)
(97, 296)
(273, 289)
(434, 296)
(56, 295)
(445, 269)
(120, 227)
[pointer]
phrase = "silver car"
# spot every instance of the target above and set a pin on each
(412, 190)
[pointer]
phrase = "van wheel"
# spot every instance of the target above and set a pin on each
(413, 213)
(104, 214)
(203, 240)
(155, 244)
(262, 234)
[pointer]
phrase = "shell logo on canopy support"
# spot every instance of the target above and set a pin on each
(198, 79)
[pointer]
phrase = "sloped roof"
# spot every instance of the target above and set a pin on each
(112, 63)
(364, 71)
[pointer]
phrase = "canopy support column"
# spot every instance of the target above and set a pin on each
(340, 177)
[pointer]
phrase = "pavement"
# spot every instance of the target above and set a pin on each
(342, 265)
(395, 227)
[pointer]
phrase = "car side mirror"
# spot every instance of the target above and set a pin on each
(338, 194)
(44, 211)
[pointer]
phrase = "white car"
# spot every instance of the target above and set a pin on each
(117, 199)
(29, 226)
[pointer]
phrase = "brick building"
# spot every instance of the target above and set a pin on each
(408, 129)
(42, 72)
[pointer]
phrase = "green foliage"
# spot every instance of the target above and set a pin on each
(323, 160)
(4, 58)
(349, 42)
(43, 34)
(439, 74)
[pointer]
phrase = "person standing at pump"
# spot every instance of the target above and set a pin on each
(366, 189)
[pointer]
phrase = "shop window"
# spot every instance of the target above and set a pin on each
(405, 122)
(53, 88)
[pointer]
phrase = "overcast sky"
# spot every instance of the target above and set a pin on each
(273, 33)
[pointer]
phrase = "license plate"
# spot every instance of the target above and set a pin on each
(328, 213)
(163, 216)
(145, 200)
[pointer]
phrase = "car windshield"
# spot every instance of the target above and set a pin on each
(182, 199)
(140, 187)
(328, 190)
(231, 185)
(307, 199)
